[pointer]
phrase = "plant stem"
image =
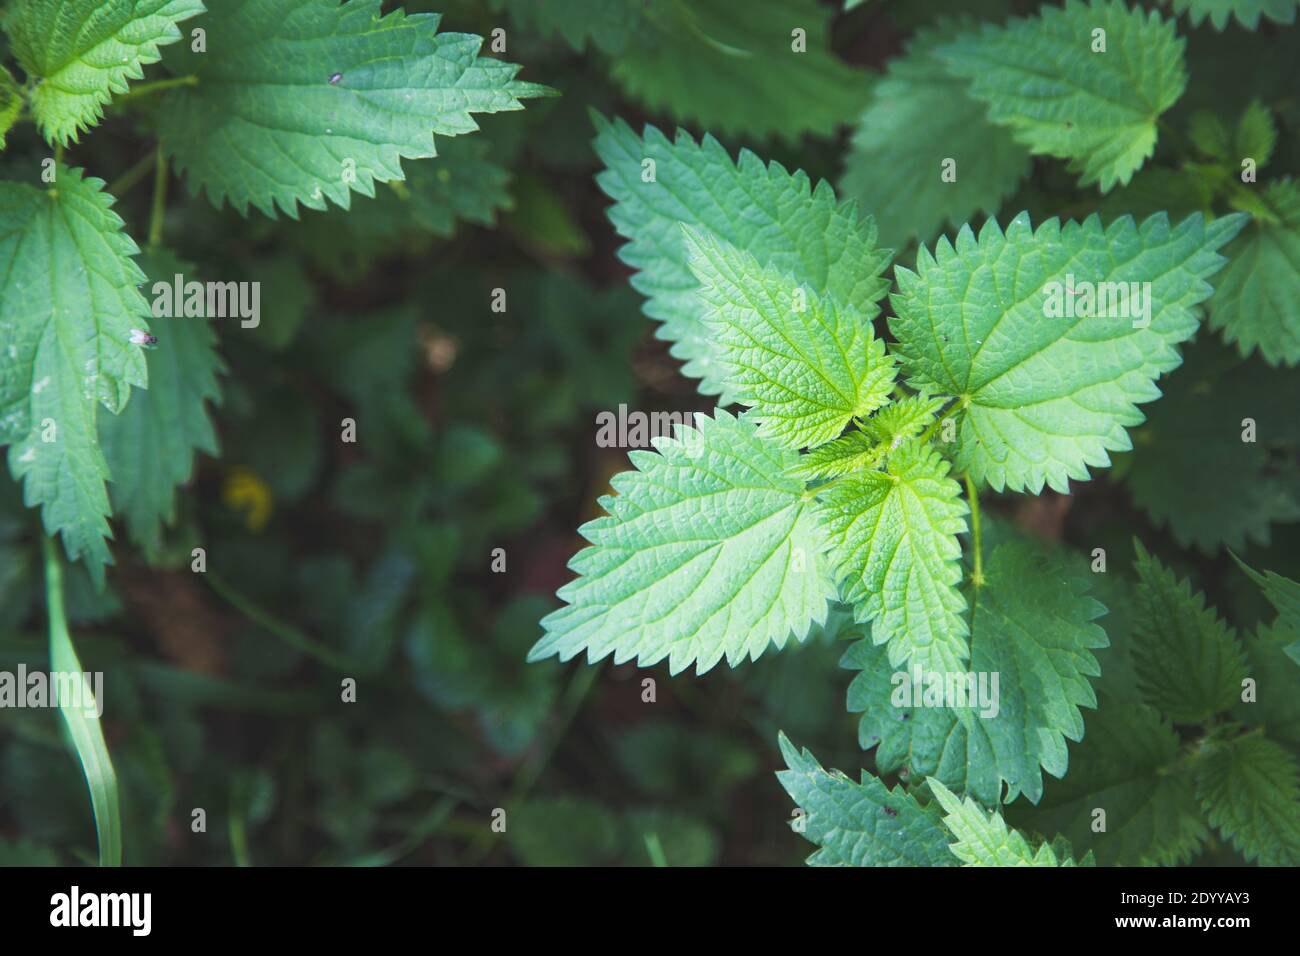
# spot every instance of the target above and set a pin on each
(157, 86)
(159, 199)
(973, 499)
(82, 720)
(290, 635)
(935, 425)
(124, 183)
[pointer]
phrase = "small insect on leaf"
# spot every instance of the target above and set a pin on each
(335, 79)
(890, 811)
(139, 337)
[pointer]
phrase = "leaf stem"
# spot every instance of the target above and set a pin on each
(124, 183)
(157, 86)
(973, 499)
(159, 199)
(82, 718)
(290, 635)
(935, 425)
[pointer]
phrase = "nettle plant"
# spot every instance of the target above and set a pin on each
(270, 104)
(1016, 359)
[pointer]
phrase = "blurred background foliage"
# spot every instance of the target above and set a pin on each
(476, 431)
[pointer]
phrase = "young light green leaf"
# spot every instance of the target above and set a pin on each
(806, 363)
(905, 418)
(1250, 789)
(919, 119)
(983, 838)
(1126, 767)
(852, 451)
(1051, 338)
(709, 550)
(1247, 12)
(788, 224)
(741, 69)
(81, 52)
(1256, 301)
(861, 824)
(894, 545)
(309, 101)
(11, 103)
(69, 305)
(150, 446)
(1190, 665)
(1083, 82)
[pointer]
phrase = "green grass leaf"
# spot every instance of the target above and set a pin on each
(1047, 80)
(806, 363)
(150, 446)
(861, 824)
(82, 52)
(919, 118)
(789, 224)
(709, 550)
(308, 101)
(1045, 394)
(1250, 789)
(894, 545)
(82, 722)
(1256, 300)
(68, 306)
(1189, 663)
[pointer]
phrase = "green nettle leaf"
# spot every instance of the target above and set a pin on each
(1051, 338)
(308, 101)
(1273, 653)
(1066, 90)
(1284, 595)
(1256, 134)
(894, 545)
(912, 739)
(69, 305)
(1257, 298)
(1247, 12)
(1189, 663)
(861, 824)
(740, 69)
(606, 24)
(709, 551)
(1191, 451)
(788, 224)
(806, 363)
(920, 118)
(905, 418)
(1033, 624)
(1250, 790)
(150, 446)
(1127, 767)
(983, 838)
(11, 103)
(81, 52)
(852, 451)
